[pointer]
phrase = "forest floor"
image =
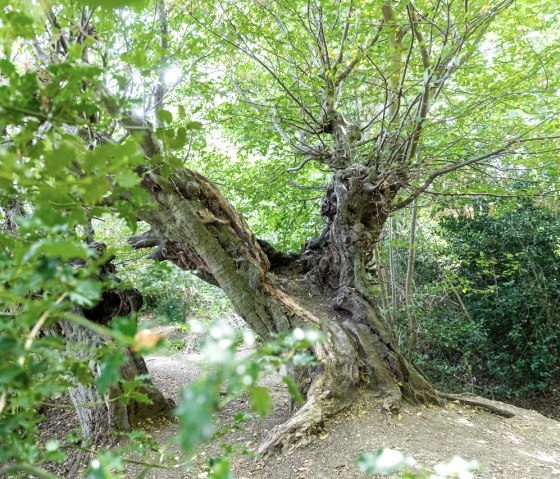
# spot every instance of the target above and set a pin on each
(526, 446)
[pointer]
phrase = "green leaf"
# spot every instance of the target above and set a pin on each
(293, 389)
(86, 293)
(94, 188)
(220, 469)
(110, 371)
(193, 125)
(198, 403)
(260, 400)
(132, 391)
(127, 179)
(164, 116)
(8, 68)
(97, 471)
(102, 466)
(180, 137)
(126, 325)
(80, 370)
(114, 4)
(65, 250)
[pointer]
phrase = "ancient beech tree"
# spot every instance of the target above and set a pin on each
(375, 93)
(372, 145)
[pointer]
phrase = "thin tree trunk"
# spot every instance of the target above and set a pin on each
(461, 303)
(164, 44)
(101, 415)
(392, 273)
(382, 278)
(410, 313)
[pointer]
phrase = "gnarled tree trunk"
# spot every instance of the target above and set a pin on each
(326, 285)
(99, 414)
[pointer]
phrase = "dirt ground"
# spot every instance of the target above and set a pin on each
(526, 446)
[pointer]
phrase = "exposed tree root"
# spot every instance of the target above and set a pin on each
(309, 420)
(320, 405)
(302, 425)
(477, 401)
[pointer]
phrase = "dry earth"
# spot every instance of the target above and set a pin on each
(526, 446)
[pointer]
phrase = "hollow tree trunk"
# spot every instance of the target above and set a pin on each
(326, 285)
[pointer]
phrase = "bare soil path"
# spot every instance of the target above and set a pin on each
(526, 446)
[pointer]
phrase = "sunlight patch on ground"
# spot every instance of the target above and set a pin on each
(541, 456)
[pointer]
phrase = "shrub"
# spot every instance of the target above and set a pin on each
(496, 321)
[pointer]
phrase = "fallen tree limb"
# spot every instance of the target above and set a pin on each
(477, 401)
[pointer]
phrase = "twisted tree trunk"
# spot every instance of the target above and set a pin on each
(101, 415)
(326, 285)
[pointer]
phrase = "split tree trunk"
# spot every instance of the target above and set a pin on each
(326, 285)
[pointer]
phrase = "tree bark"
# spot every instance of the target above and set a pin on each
(408, 294)
(100, 415)
(326, 285)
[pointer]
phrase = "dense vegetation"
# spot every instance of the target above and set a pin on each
(503, 336)
(272, 150)
(485, 299)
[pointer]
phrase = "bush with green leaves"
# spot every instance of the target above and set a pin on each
(497, 275)
(176, 295)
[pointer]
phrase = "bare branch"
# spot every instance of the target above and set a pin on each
(344, 36)
(448, 169)
(359, 57)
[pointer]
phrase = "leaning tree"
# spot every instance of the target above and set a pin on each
(379, 100)
(384, 98)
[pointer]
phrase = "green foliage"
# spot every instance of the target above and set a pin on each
(503, 265)
(68, 164)
(384, 461)
(109, 370)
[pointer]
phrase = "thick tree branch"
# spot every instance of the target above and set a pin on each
(147, 239)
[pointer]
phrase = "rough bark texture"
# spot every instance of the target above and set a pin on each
(99, 415)
(326, 285)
